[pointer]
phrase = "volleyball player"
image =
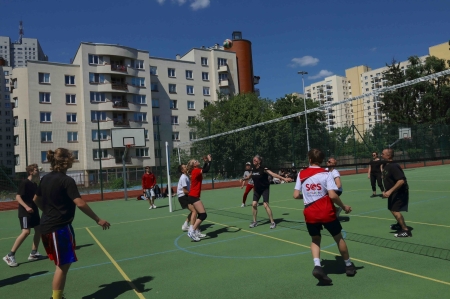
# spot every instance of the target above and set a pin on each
(249, 187)
(331, 163)
(184, 185)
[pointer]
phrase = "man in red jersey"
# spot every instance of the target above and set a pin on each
(318, 191)
(148, 183)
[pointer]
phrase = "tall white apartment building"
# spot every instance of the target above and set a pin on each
(18, 53)
(332, 89)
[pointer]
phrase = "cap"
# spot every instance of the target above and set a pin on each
(248, 163)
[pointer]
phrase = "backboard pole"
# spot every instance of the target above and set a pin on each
(168, 177)
(179, 157)
(124, 175)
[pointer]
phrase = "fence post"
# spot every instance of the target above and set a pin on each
(354, 149)
(424, 154)
(293, 143)
(210, 150)
(100, 157)
(26, 142)
(160, 154)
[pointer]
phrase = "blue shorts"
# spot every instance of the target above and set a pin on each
(60, 245)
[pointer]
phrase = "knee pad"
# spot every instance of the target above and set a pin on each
(202, 216)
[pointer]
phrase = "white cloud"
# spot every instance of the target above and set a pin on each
(180, 2)
(304, 61)
(321, 74)
(373, 49)
(195, 4)
(161, 1)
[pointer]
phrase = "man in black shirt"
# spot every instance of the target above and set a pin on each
(374, 173)
(28, 216)
(396, 192)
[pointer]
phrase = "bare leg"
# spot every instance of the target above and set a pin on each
(193, 214)
(269, 212)
(255, 210)
(315, 246)
(198, 205)
(153, 200)
(36, 238)
(25, 233)
(59, 279)
(342, 246)
(399, 217)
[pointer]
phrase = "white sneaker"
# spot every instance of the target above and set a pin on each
(154, 206)
(193, 236)
(243, 205)
(10, 260)
(199, 234)
(151, 207)
(185, 228)
(34, 257)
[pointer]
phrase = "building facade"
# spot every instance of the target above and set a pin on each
(6, 119)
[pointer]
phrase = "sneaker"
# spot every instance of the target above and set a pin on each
(396, 227)
(193, 236)
(199, 234)
(151, 207)
(403, 234)
(253, 224)
(321, 276)
(373, 195)
(338, 211)
(154, 206)
(350, 270)
(10, 260)
(273, 225)
(34, 257)
(243, 205)
(185, 228)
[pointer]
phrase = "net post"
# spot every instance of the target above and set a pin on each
(124, 174)
(100, 160)
(26, 143)
(168, 177)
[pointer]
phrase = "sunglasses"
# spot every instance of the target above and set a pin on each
(329, 162)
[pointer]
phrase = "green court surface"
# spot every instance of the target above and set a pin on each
(148, 248)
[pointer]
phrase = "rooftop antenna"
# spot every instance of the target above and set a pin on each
(20, 32)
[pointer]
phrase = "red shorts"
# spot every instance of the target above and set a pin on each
(320, 211)
(60, 245)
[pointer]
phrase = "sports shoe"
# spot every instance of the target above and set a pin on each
(154, 206)
(396, 226)
(373, 195)
(34, 257)
(199, 234)
(243, 205)
(193, 236)
(185, 228)
(253, 224)
(151, 207)
(350, 270)
(338, 211)
(403, 234)
(321, 276)
(10, 260)
(273, 225)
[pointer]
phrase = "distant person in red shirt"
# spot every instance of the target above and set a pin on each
(196, 174)
(148, 185)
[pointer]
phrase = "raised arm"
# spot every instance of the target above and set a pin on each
(273, 174)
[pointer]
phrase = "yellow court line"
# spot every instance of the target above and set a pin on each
(117, 266)
(408, 221)
(332, 253)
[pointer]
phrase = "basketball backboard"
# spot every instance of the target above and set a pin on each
(404, 133)
(121, 137)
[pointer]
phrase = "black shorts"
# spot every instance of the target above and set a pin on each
(192, 199)
(264, 194)
(398, 201)
(334, 228)
(30, 221)
(184, 201)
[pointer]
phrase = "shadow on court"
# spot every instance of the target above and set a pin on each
(117, 288)
(19, 278)
(217, 232)
(336, 266)
(81, 246)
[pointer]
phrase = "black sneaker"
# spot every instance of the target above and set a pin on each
(350, 270)
(373, 195)
(396, 226)
(321, 276)
(403, 234)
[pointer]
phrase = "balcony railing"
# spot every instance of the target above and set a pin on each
(223, 83)
(223, 69)
(118, 68)
(120, 104)
(119, 160)
(121, 122)
(119, 86)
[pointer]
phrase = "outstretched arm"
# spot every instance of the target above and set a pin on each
(84, 207)
(273, 174)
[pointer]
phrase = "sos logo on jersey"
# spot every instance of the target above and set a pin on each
(313, 187)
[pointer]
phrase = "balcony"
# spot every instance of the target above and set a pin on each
(119, 160)
(119, 86)
(223, 69)
(256, 80)
(119, 68)
(224, 83)
(120, 103)
(121, 122)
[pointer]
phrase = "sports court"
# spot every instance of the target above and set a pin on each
(148, 248)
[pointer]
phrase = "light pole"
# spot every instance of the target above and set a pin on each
(304, 102)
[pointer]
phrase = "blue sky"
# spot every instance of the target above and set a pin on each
(320, 37)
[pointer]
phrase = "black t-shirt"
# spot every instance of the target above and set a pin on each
(392, 173)
(58, 192)
(375, 166)
(260, 179)
(27, 190)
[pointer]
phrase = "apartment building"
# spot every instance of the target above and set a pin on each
(6, 119)
(18, 53)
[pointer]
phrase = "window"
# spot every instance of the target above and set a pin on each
(138, 64)
(205, 76)
(158, 153)
(70, 99)
(75, 155)
(154, 86)
(46, 117)
(71, 117)
(46, 137)
(173, 104)
(191, 119)
(98, 115)
(171, 72)
(96, 78)
(156, 136)
(70, 80)
(221, 61)
(72, 136)
(136, 81)
(191, 105)
(172, 88)
(206, 91)
(175, 136)
(6, 81)
(99, 135)
(142, 152)
(174, 120)
(100, 154)
(16, 160)
(139, 99)
(95, 59)
(98, 97)
(16, 140)
(189, 75)
(44, 157)
(192, 135)
(155, 103)
(6, 73)
(153, 70)
(44, 97)
(146, 134)
(140, 116)
(156, 119)
(44, 78)
(223, 77)
(190, 89)
(6, 97)
(204, 61)
(205, 104)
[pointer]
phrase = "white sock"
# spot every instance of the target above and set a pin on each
(317, 262)
(191, 227)
(348, 262)
(185, 223)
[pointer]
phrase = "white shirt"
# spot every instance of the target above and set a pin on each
(335, 174)
(316, 187)
(183, 182)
